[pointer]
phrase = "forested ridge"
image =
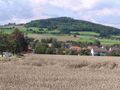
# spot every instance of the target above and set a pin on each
(66, 25)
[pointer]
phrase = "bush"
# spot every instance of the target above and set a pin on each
(115, 53)
(72, 52)
(61, 51)
(85, 52)
(97, 43)
(50, 51)
(48, 40)
(41, 48)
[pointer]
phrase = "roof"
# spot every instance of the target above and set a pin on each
(113, 48)
(100, 50)
(91, 47)
(75, 48)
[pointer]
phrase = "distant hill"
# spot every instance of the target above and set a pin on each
(66, 25)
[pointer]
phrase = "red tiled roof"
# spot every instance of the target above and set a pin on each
(91, 47)
(75, 48)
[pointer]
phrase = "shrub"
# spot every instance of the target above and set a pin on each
(50, 51)
(85, 52)
(48, 40)
(115, 53)
(97, 43)
(40, 48)
(61, 51)
(73, 52)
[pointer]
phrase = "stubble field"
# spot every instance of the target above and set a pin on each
(57, 72)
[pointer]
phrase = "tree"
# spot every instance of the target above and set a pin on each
(50, 51)
(21, 41)
(105, 34)
(6, 44)
(75, 35)
(85, 52)
(56, 44)
(115, 53)
(97, 42)
(73, 52)
(41, 48)
(65, 25)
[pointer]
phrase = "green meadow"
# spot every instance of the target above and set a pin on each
(39, 34)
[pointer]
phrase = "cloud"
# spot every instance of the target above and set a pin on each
(14, 9)
(99, 11)
(74, 5)
(108, 12)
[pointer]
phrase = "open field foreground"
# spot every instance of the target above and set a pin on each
(45, 72)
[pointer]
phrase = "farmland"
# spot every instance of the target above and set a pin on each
(86, 33)
(85, 36)
(58, 37)
(81, 38)
(47, 72)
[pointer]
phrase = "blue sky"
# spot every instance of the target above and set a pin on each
(99, 11)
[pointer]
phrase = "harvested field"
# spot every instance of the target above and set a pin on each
(57, 72)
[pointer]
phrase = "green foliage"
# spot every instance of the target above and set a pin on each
(85, 52)
(48, 40)
(115, 53)
(53, 41)
(41, 48)
(66, 25)
(21, 41)
(72, 52)
(33, 44)
(61, 51)
(87, 40)
(109, 42)
(50, 51)
(97, 42)
(13, 46)
(6, 44)
(104, 34)
(85, 33)
(56, 44)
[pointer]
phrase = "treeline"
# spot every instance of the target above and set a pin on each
(66, 25)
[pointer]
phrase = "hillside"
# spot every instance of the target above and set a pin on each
(64, 29)
(66, 25)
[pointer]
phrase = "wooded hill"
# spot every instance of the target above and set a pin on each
(66, 25)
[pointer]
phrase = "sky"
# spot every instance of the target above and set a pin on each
(105, 12)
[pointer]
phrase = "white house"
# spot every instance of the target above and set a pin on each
(99, 51)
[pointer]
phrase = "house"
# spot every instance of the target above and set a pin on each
(114, 49)
(67, 44)
(75, 48)
(99, 51)
(50, 45)
(91, 47)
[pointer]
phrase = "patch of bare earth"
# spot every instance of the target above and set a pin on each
(57, 72)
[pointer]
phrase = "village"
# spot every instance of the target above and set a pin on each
(52, 46)
(90, 50)
(17, 43)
